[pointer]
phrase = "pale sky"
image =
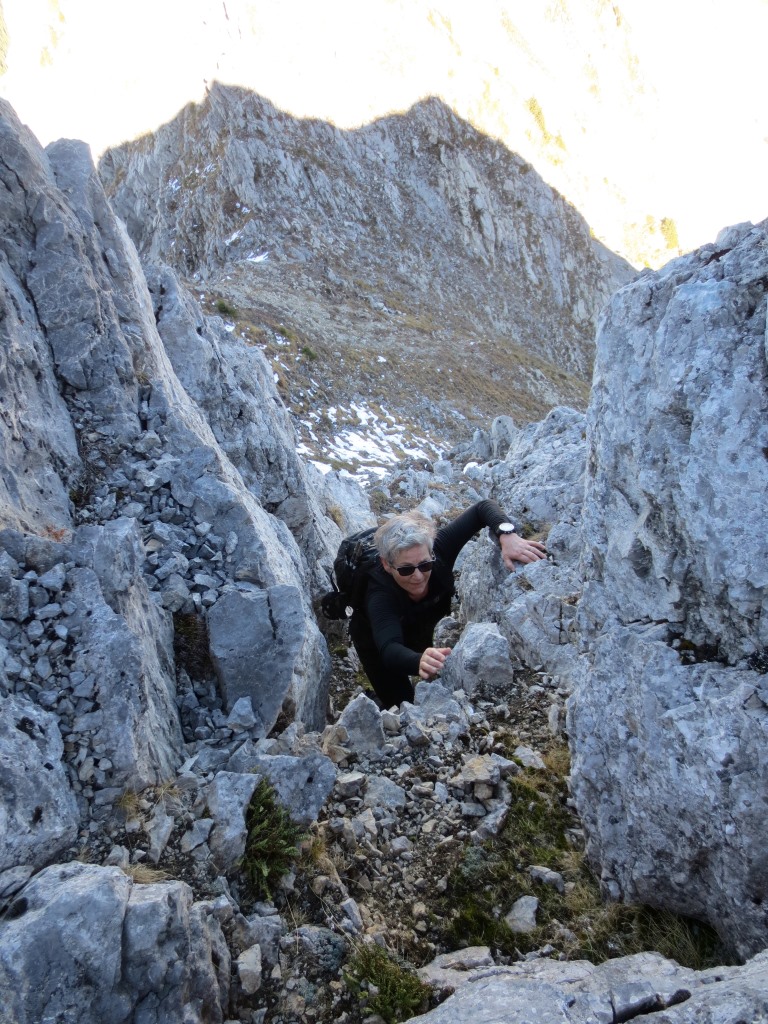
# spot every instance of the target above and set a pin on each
(663, 117)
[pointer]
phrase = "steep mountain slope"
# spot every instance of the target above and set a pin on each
(413, 263)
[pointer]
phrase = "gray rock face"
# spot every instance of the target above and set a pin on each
(653, 613)
(83, 943)
(541, 485)
(263, 649)
(150, 454)
(677, 484)
(579, 993)
(39, 816)
(37, 439)
(232, 384)
(125, 502)
(685, 745)
(676, 557)
(125, 645)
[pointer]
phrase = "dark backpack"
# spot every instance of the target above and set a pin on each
(355, 557)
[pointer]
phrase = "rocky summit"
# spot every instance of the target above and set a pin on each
(204, 817)
(413, 272)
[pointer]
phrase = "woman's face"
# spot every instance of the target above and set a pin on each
(417, 584)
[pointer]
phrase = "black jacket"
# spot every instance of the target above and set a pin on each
(400, 629)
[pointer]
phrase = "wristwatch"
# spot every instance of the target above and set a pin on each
(505, 528)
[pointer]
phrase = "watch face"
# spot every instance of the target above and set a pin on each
(505, 528)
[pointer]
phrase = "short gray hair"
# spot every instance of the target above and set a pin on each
(402, 532)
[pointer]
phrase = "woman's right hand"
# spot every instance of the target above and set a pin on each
(432, 661)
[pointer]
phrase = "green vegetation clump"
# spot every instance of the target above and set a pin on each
(288, 333)
(80, 496)
(223, 307)
(271, 844)
(388, 986)
(490, 879)
(534, 109)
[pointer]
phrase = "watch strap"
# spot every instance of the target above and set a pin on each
(503, 528)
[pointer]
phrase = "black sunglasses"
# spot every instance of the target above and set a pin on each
(409, 570)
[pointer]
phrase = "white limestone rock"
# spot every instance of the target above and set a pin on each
(362, 721)
(677, 485)
(227, 798)
(577, 992)
(302, 784)
(676, 549)
(668, 762)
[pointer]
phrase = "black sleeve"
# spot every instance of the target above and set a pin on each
(451, 539)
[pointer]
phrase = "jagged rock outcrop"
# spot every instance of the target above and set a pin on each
(121, 510)
(348, 253)
(675, 611)
(86, 944)
(646, 986)
(654, 613)
(139, 431)
(678, 476)
(233, 386)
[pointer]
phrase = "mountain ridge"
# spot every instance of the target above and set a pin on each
(596, 95)
(380, 257)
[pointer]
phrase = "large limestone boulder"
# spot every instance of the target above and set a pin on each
(629, 988)
(669, 720)
(677, 480)
(83, 943)
(263, 648)
(668, 770)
